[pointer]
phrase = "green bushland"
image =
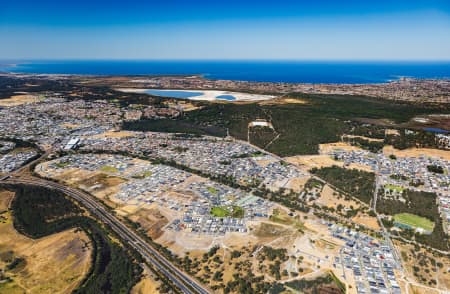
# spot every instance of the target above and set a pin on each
(82, 86)
(369, 131)
(285, 197)
(313, 183)
(325, 284)
(261, 136)
(321, 119)
(414, 221)
(417, 139)
(435, 169)
(399, 177)
(422, 204)
(372, 146)
(40, 212)
(357, 183)
(173, 126)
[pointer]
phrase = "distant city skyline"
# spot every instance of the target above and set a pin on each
(287, 30)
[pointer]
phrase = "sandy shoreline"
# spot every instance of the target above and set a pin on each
(208, 95)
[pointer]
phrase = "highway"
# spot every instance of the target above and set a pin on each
(180, 279)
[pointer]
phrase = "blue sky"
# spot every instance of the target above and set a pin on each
(322, 30)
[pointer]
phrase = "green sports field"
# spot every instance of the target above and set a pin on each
(394, 188)
(234, 211)
(212, 190)
(109, 169)
(414, 221)
(219, 212)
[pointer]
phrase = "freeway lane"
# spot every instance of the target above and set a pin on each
(184, 282)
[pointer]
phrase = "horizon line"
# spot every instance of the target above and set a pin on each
(224, 59)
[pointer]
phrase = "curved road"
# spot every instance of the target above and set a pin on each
(184, 282)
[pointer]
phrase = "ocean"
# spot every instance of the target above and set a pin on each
(259, 71)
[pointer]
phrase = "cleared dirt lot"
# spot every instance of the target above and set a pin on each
(330, 198)
(327, 148)
(114, 134)
(417, 152)
(151, 220)
(368, 221)
(307, 162)
(310, 161)
(17, 100)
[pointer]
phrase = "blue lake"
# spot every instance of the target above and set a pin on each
(226, 97)
(174, 93)
(437, 130)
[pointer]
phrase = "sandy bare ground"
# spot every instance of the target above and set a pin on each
(360, 167)
(265, 162)
(284, 100)
(260, 233)
(293, 101)
(368, 221)
(147, 285)
(365, 138)
(69, 125)
(307, 162)
(209, 95)
(427, 270)
(182, 242)
(5, 199)
(310, 161)
(17, 100)
(114, 134)
(417, 289)
(328, 199)
(297, 184)
(330, 147)
(151, 220)
(53, 264)
(185, 105)
(417, 152)
(393, 132)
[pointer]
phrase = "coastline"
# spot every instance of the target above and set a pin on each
(291, 72)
